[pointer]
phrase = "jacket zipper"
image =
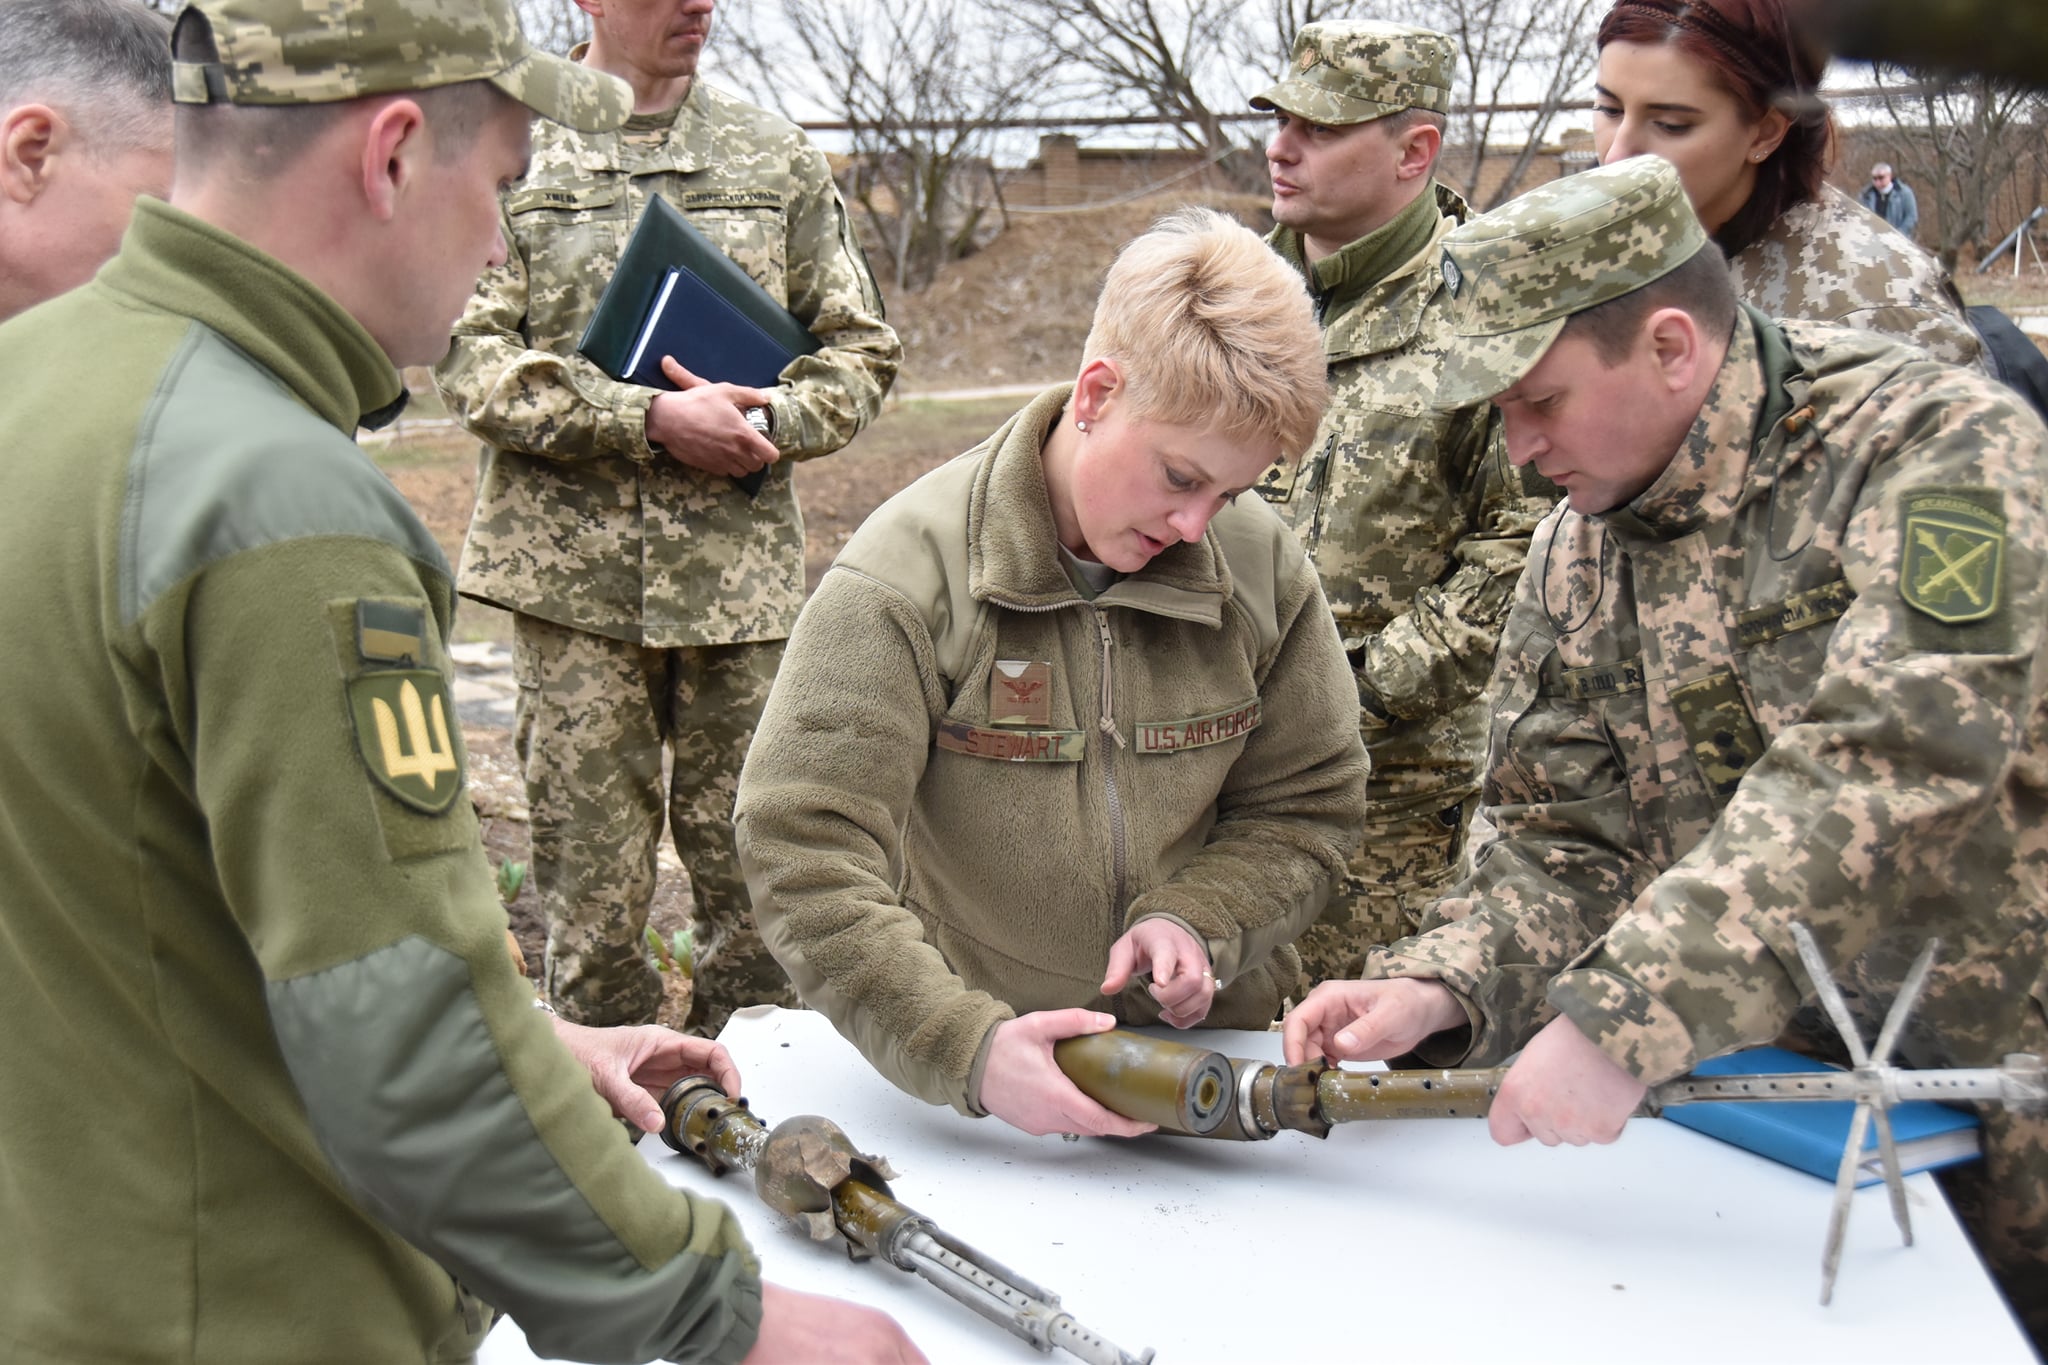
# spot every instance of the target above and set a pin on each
(1106, 724)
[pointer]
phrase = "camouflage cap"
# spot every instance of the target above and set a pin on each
(274, 52)
(1517, 274)
(1355, 72)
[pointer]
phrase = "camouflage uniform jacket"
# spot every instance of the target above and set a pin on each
(1415, 519)
(241, 891)
(1182, 746)
(580, 521)
(1734, 703)
(1832, 260)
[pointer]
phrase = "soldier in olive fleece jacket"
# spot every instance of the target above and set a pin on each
(1195, 756)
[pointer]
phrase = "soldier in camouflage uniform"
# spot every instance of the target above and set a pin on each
(1413, 516)
(1780, 658)
(1722, 89)
(651, 595)
(274, 1090)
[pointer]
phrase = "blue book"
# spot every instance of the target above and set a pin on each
(675, 293)
(1810, 1134)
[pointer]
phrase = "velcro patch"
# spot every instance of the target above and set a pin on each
(1952, 553)
(1718, 725)
(738, 197)
(562, 197)
(390, 632)
(1020, 693)
(1197, 732)
(1801, 611)
(1011, 746)
(401, 724)
(1602, 680)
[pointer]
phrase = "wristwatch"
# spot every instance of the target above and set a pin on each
(760, 419)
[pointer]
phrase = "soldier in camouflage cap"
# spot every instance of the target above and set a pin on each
(1346, 73)
(241, 867)
(1416, 522)
(651, 596)
(283, 52)
(1520, 273)
(1781, 658)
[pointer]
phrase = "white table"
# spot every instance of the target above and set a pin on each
(1389, 1242)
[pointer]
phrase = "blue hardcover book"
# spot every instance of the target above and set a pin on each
(675, 293)
(1810, 1134)
(701, 328)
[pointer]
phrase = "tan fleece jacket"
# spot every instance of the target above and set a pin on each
(969, 780)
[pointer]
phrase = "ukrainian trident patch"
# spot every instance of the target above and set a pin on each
(1952, 553)
(401, 722)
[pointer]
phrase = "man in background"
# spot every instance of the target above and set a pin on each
(1414, 517)
(1891, 199)
(651, 595)
(85, 126)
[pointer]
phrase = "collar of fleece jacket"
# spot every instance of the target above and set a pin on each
(1013, 548)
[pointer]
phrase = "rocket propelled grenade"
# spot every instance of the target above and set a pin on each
(808, 1170)
(1183, 1089)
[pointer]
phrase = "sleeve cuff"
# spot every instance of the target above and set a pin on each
(1640, 1033)
(630, 417)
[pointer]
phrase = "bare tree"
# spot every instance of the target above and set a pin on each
(1169, 58)
(1520, 63)
(1964, 142)
(921, 86)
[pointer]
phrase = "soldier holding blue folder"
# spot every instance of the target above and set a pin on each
(651, 596)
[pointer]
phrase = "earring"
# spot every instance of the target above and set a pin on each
(1756, 156)
(1081, 426)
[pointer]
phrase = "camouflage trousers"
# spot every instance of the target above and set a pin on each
(1404, 864)
(594, 718)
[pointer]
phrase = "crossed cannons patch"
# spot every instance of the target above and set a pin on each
(1952, 553)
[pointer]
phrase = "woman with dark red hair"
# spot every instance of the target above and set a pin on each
(1722, 90)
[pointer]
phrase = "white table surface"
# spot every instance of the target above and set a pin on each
(1391, 1241)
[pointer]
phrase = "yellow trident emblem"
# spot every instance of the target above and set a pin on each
(419, 755)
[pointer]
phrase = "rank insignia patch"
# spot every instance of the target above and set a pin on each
(401, 723)
(1020, 693)
(1952, 553)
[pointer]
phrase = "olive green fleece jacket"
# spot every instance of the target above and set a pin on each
(929, 858)
(273, 1090)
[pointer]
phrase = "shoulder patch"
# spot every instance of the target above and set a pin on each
(1952, 553)
(390, 632)
(401, 725)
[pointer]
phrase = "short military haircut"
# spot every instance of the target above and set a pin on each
(1397, 124)
(258, 140)
(1700, 287)
(104, 64)
(1213, 331)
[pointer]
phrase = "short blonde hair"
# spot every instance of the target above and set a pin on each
(1212, 330)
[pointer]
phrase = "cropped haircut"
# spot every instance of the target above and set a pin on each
(1412, 117)
(104, 64)
(259, 140)
(1701, 287)
(1213, 331)
(1748, 49)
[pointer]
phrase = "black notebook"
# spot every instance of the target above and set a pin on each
(675, 293)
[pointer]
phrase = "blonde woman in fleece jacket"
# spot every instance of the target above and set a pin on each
(1066, 737)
